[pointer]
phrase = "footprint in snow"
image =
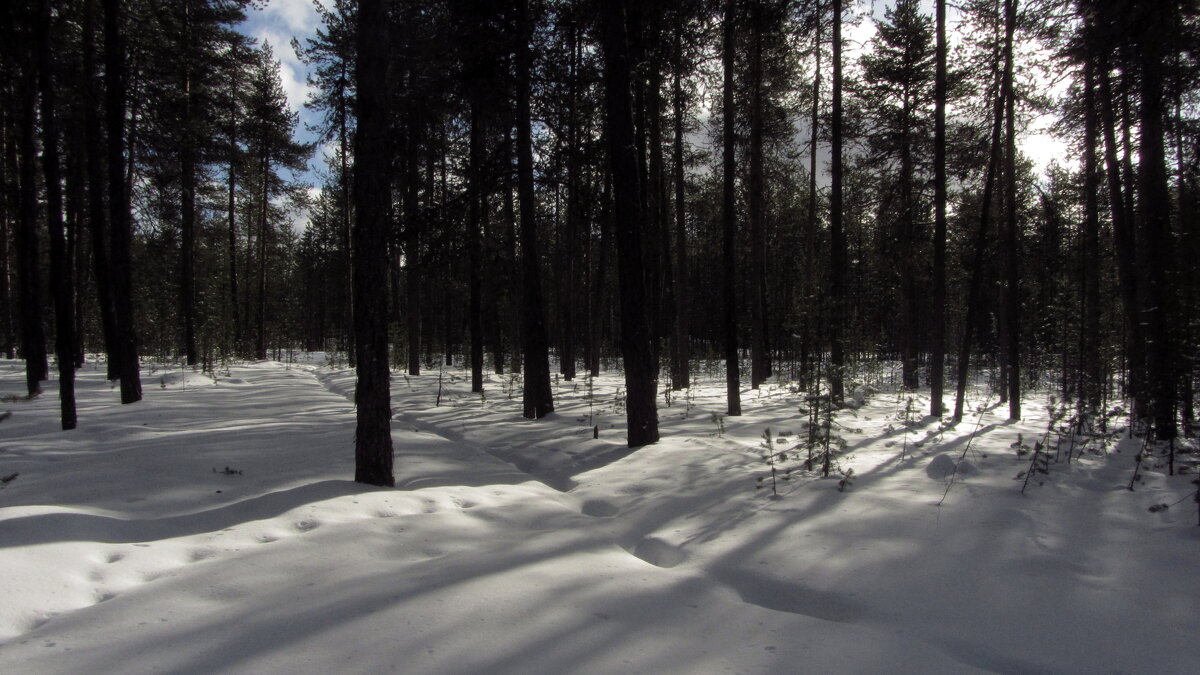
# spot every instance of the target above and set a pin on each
(201, 554)
(306, 525)
(114, 557)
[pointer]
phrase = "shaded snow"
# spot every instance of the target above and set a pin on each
(213, 527)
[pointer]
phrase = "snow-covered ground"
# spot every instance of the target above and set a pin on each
(213, 527)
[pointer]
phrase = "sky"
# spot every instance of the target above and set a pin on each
(276, 24)
(279, 21)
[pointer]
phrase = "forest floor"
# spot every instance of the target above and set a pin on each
(214, 527)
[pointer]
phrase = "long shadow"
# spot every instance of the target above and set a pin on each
(57, 527)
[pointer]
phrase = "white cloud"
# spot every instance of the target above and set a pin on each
(296, 16)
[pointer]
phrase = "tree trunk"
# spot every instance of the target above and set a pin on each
(758, 237)
(61, 272)
(8, 340)
(235, 321)
(1090, 343)
(97, 211)
(938, 335)
(635, 327)
(571, 236)
(475, 210)
(120, 227)
(729, 219)
(1012, 314)
(1155, 215)
(372, 397)
(682, 376)
(187, 159)
(412, 251)
(264, 225)
(975, 285)
(537, 398)
(837, 237)
(33, 337)
(1124, 239)
(808, 320)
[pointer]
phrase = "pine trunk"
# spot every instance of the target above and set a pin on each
(120, 227)
(372, 437)
(61, 272)
(937, 366)
(837, 237)
(635, 327)
(729, 219)
(537, 398)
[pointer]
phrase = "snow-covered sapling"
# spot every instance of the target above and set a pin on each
(846, 481)
(774, 460)
(719, 420)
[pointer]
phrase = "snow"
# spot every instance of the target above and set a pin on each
(213, 527)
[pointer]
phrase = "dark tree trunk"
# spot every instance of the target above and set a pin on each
(808, 318)
(33, 337)
(120, 227)
(1012, 314)
(7, 338)
(347, 237)
(373, 436)
(635, 328)
(61, 272)
(97, 209)
(597, 308)
(1154, 211)
(264, 227)
(758, 237)
(837, 237)
(1090, 343)
(975, 285)
(938, 334)
(1124, 239)
(187, 160)
(681, 379)
(537, 398)
(729, 219)
(235, 321)
(512, 291)
(412, 252)
(475, 217)
(571, 236)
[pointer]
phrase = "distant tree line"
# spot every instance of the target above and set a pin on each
(664, 182)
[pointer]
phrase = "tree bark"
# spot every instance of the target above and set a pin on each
(33, 337)
(474, 217)
(187, 161)
(758, 243)
(372, 437)
(120, 227)
(537, 398)
(635, 327)
(1012, 315)
(938, 334)
(729, 219)
(837, 264)
(1124, 239)
(1155, 216)
(1090, 347)
(61, 272)
(682, 376)
(976, 283)
(97, 209)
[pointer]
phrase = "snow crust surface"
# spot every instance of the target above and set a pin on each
(214, 527)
